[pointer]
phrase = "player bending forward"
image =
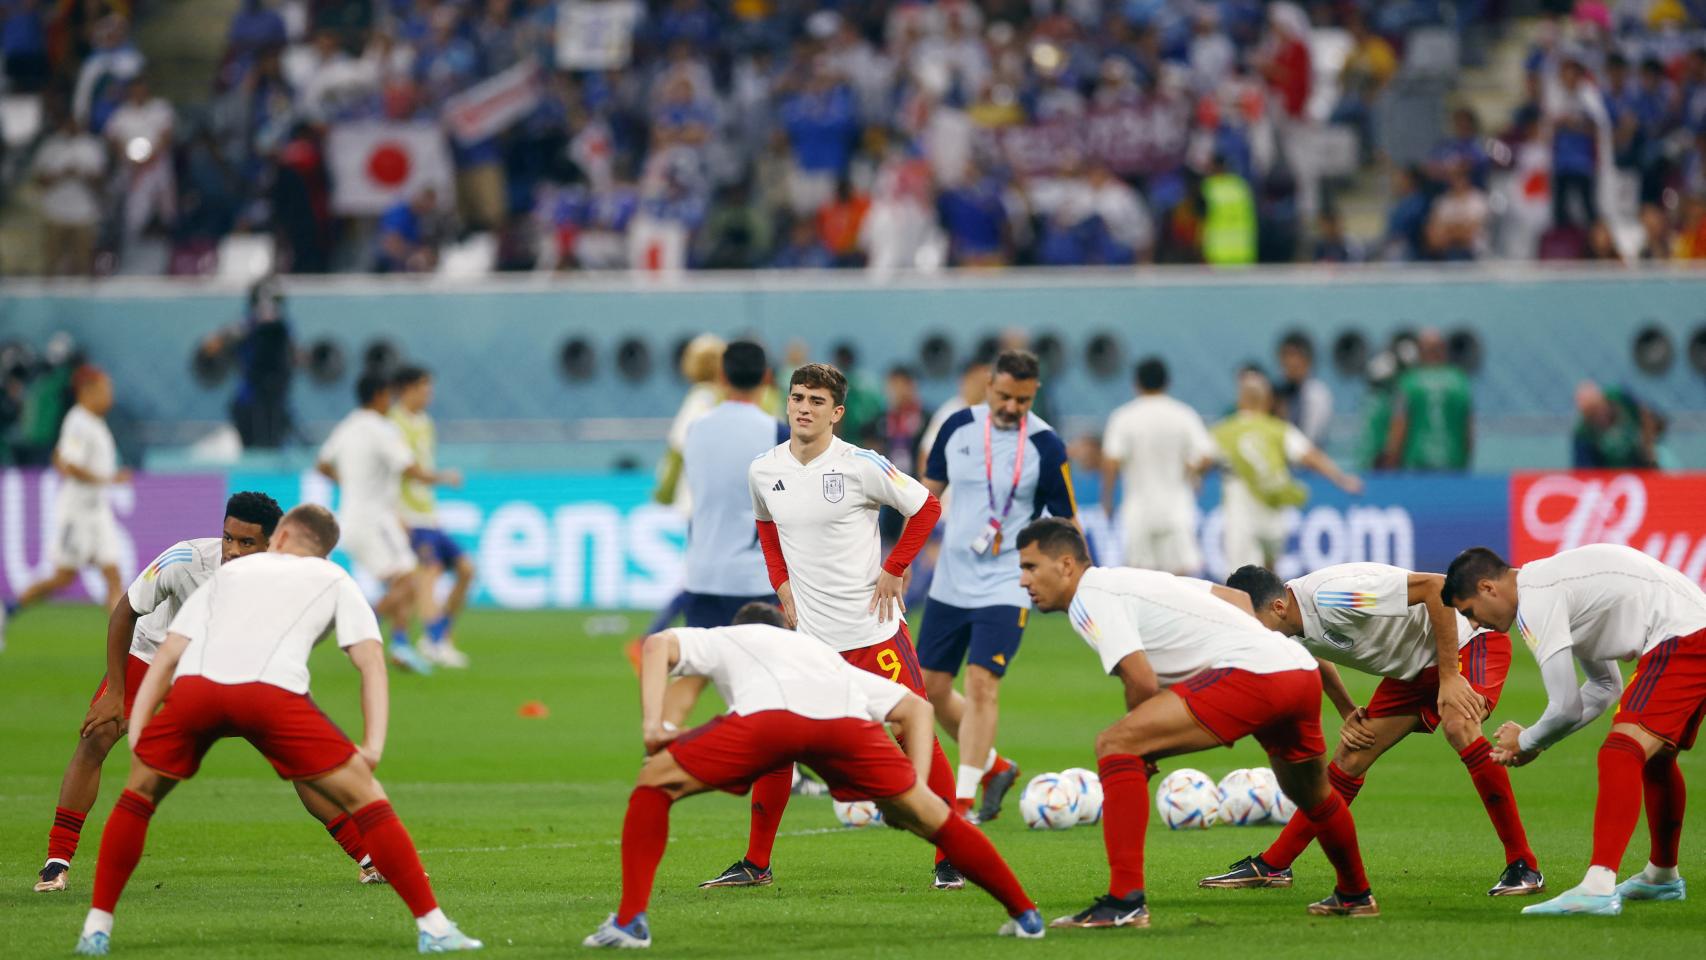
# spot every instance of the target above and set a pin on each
(1198, 674)
(1594, 606)
(791, 700)
(1392, 623)
(134, 630)
(235, 664)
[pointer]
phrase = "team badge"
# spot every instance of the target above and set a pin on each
(834, 487)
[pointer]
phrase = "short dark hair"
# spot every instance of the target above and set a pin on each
(251, 506)
(744, 364)
(1299, 341)
(1152, 374)
(1055, 536)
(369, 386)
(409, 376)
(760, 611)
(821, 376)
(1257, 581)
(1467, 571)
(317, 522)
(1018, 364)
(902, 370)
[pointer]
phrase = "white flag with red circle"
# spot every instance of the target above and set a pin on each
(376, 163)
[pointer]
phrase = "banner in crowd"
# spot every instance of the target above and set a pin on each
(375, 163)
(595, 36)
(1660, 514)
(1139, 138)
(489, 107)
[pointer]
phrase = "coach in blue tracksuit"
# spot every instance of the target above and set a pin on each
(1006, 467)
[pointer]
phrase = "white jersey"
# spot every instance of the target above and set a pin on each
(159, 591)
(826, 517)
(757, 667)
(1359, 615)
(257, 621)
(1604, 602)
(1178, 623)
(1156, 438)
(85, 442)
(369, 454)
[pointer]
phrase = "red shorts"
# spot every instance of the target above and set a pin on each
(287, 728)
(1282, 710)
(1667, 695)
(135, 668)
(893, 659)
(1483, 661)
(857, 759)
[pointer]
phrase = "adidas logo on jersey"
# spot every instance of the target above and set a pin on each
(777, 487)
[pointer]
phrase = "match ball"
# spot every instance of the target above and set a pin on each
(1241, 801)
(1187, 799)
(1050, 802)
(1089, 793)
(1279, 806)
(857, 813)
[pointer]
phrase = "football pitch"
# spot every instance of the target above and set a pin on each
(517, 818)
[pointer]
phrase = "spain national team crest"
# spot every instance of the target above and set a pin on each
(834, 487)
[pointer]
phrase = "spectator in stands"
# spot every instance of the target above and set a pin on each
(1615, 429)
(102, 79)
(823, 127)
(1331, 244)
(1644, 113)
(1578, 117)
(1457, 222)
(1229, 217)
(141, 134)
(1212, 56)
(1432, 425)
(1464, 145)
(1368, 69)
(409, 235)
(1128, 232)
(839, 222)
(23, 46)
(70, 167)
(974, 214)
(803, 249)
(1284, 59)
(1301, 397)
(1691, 238)
(255, 30)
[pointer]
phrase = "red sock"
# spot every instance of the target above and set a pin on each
(1125, 819)
(63, 835)
(1493, 783)
(769, 798)
(1001, 765)
(645, 832)
(1299, 832)
(121, 848)
(978, 859)
(1621, 759)
(1338, 835)
(344, 831)
(941, 782)
(394, 855)
(1666, 796)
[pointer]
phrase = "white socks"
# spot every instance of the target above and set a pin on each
(98, 921)
(1659, 874)
(993, 756)
(434, 923)
(1600, 882)
(966, 787)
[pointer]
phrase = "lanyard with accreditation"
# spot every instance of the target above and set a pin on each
(990, 541)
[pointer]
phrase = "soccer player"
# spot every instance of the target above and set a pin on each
(1154, 450)
(235, 664)
(790, 700)
(135, 628)
(1390, 622)
(367, 458)
(85, 532)
(816, 499)
(1007, 467)
(1198, 674)
(436, 551)
(1594, 606)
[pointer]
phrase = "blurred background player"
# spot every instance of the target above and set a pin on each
(368, 459)
(1303, 400)
(418, 503)
(1593, 606)
(1198, 674)
(1432, 412)
(974, 382)
(1154, 452)
(1437, 672)
(790, 699)
(701, 367)
(1259, 450)
(235, 664)
(84, 532)
(1008, 467)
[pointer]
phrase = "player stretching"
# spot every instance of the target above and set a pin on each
(435, 550)
(235, 664)
(1198, 674)
(368, 459)
(1594, 606)
(1006, 466)
(1391, 623)
(135, 628)
(790, 700)
(816, 499)
(85, 533)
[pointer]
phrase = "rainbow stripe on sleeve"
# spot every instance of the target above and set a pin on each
(179, 554)
(1082, 622)
(1347, 599)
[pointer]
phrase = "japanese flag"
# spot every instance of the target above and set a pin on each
(376, 163)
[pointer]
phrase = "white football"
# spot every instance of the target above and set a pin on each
(1187, 799)
(1279, 807)
(1050, 802)
(1089, 793)
(1240, 802)
(857, 813)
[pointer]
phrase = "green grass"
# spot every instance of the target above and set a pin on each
(517, 821)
